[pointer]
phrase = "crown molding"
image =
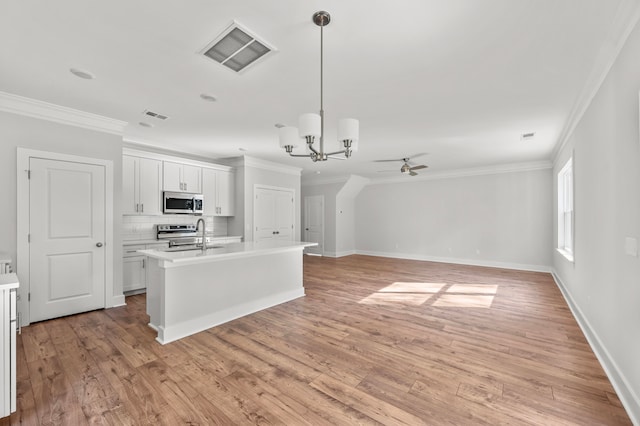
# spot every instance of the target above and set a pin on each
(624, 22)
(21, 105)
(326, 181)
(476, 171)
(248, 161)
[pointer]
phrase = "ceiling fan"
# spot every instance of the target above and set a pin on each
(407, 167)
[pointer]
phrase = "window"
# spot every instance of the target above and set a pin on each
(565, 210)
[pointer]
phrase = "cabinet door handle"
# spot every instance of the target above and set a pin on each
(137, 207)
(142, 208)
(143, 263)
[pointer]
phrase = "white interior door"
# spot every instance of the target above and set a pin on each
(314, 223)
(67, 235)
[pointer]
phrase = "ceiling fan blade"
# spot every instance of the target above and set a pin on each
(412, 173)
(418, 155)
(421, 166)
(386, 161)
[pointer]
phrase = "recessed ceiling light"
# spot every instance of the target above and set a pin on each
(143, 124)
(527, 136)
(207, 97)
(82, 73)
(280, 125)
(242, 149)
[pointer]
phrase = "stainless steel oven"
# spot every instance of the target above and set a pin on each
(182, 203)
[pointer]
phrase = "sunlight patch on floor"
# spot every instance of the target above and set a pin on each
(442, 295)
(414, 294)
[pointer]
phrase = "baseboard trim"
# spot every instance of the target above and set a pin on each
(629, 399)
(117, 301)
(456, 261)
(339, 253)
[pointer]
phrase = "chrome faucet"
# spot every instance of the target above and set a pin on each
(204, 234)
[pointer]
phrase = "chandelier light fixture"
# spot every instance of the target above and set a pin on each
(311, 125)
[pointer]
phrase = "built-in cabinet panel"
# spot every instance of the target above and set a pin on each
(141, 185)
(274, 212)
(182, 177)
(218, 188)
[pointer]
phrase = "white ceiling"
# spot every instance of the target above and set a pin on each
(458, 79)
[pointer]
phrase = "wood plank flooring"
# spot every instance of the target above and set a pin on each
(375, 341)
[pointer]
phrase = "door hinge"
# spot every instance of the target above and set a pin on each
(28, 238)
(28, 174)
(29, 297)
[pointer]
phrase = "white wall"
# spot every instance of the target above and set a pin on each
(20, 131)
(603, 285)
(501, 219)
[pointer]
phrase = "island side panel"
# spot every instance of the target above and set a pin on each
(199, 296)
(155, 289)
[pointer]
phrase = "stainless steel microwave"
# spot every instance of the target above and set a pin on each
(182, 203)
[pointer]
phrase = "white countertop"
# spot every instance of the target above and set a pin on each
(8, 281)
(156, 241)
(227, 251)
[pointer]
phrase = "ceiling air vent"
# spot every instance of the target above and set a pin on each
(237, 48)
(154, 115)
(527, 136)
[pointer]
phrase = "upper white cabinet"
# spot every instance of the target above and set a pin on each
(218, 188)
(182, 177)
(141, 185)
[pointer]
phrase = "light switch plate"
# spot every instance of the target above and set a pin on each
(631, 246)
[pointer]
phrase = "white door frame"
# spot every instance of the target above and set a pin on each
(23, 205)
(292, 191)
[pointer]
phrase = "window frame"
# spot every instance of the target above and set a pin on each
(566, 212)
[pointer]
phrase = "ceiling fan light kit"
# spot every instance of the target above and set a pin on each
(311, 125)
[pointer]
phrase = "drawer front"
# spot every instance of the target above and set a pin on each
(129, 251)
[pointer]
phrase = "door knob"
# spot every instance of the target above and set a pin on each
(306, 229)
(98, 244)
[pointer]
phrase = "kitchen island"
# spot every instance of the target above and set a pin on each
(191, 291)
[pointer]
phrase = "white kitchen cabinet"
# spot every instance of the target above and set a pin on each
(134, 266)
(8, 319)
(141, 190)
(218, 188)
(179, 177)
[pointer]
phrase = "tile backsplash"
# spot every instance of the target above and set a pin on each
(144, 227)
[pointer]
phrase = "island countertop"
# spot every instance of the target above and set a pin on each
(169, 259)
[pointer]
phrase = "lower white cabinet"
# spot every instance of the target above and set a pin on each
(134, 266)
(8, 321)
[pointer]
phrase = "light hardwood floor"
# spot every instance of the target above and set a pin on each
(374, 341)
